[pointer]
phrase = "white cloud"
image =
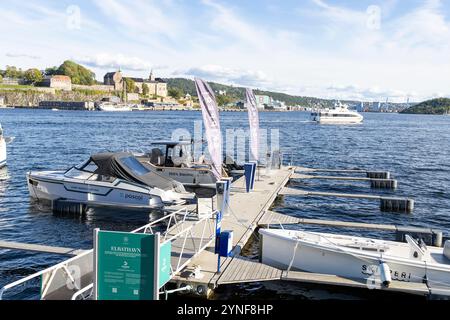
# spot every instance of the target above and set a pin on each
(115, 61)
(22, 55)
(225, 20)
(241, 77)
(424, 27)
(144, 19)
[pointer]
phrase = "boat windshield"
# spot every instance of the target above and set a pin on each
(88, 166)
(134, 165)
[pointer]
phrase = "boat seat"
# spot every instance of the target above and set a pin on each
(157, 157)
(447, 249)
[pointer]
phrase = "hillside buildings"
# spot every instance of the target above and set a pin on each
(267, 102)
(58, 82)
(156, 86)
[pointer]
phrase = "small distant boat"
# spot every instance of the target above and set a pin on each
(340, 114)
(108, 179)
(357, 257)
(111, 107)
(55, 109)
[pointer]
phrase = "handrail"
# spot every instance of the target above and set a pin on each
(81, 291)
(205, 240)
(39, 273)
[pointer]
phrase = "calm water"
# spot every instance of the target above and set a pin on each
(414, 148)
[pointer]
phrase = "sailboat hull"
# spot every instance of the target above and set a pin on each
(2, 152)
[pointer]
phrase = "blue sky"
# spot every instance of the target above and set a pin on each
(366, 50)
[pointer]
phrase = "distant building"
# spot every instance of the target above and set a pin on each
(278, 105)
(132, 96)
(58, 82)
(114, 79)
(2, 101)
(262, 101)
(67, 105)
(156, 86)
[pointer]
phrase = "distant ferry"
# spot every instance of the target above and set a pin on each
(340, 114)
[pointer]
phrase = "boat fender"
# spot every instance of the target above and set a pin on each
(385, 274)
(447, 249)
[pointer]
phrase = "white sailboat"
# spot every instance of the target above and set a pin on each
(357, 257)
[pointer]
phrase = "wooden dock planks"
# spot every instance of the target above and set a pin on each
(245, 270)
(245, 211)
(397, 286)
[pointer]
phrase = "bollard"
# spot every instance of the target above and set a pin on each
(249, 170)
(437, 238)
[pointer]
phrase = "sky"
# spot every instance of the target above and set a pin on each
(335, 49)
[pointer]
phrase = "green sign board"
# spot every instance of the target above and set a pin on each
(125, 265)
(165, 253)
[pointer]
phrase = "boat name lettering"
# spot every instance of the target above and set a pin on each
(133, 196)
(395, 275)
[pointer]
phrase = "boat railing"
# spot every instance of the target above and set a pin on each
(179, 230)
(51, 270)
(179, 227)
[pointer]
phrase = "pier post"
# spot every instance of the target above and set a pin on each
(397, 204)
(383, 183)
(437, 238)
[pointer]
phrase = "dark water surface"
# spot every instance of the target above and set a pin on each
(416, 149)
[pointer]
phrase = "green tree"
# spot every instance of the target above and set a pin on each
(33, 76)
(51, 71)
(175, 93)
(130, 85)
(145, 89)
(223, 100)
(13, 72)
(78, 73)
(1, 78)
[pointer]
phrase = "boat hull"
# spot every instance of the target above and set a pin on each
(323, 259)
(117, 195)
(115, 109)
(2, 152)
(338, 120)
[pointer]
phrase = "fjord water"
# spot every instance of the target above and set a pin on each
(414, 148)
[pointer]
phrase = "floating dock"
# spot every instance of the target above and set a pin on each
(192, 234)
(386, 203)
